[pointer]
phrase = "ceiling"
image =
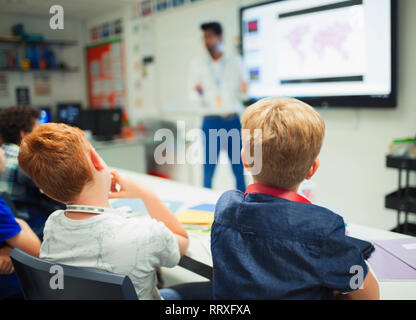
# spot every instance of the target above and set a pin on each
(73, 9)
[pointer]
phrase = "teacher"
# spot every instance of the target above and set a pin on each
(218, 85)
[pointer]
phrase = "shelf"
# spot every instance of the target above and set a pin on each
(65, 70)
(401, 163)
(403, 200)
(411, 229)
(45, 42)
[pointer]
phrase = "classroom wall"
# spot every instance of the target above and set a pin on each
(142, 84)
(99, 20)
(352, 179)
(64, 86)
(353, 176)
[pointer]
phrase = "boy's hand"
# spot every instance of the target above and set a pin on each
(199, 89)
(6, 265)
(157, 210)
(128, 188)
(244, 87)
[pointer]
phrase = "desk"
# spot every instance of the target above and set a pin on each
(129, 154)
(199, 248)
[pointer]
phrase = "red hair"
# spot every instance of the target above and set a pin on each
(54, 156)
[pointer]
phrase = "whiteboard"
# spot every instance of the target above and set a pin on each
(178, 40)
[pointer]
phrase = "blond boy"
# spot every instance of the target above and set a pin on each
(271, 243)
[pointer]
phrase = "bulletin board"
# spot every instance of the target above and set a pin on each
(106, 74)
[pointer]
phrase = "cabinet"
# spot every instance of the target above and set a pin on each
(403, 200)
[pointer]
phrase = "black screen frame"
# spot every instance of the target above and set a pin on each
(62, 105)
(361, 101)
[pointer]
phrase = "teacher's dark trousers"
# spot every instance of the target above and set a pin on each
(228, 123)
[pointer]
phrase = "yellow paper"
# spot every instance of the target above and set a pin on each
(196, 217)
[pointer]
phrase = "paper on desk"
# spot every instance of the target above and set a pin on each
(204, 207)
(196, 217)
(388, 268)
(138, 206)
(401, 249)
(410, 246)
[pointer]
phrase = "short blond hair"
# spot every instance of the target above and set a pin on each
(292, 137)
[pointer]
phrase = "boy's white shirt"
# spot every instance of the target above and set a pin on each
(118, 241)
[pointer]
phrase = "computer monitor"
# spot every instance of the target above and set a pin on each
(68, 113)
(328, 53)
(108, 123)
(45, 115)
(87, 120)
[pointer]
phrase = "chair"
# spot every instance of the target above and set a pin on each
(78, 283)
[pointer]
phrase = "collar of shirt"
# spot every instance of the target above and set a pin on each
(275, 192)
(96, 210)
(223, 58)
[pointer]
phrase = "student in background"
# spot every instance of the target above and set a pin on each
(31, 205)
(217, 87)
(14, 233)
(270, 242)
(89, 233)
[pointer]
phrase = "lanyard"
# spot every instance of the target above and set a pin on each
(218, 78)
(90, 209)
(274, 192)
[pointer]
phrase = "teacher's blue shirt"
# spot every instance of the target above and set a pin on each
(274, 244)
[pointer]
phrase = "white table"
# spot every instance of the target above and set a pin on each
(129, 154)
(199, 248)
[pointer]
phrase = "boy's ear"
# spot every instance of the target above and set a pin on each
(313, 169)
(96, 160)
(22, 134)
(244, 160)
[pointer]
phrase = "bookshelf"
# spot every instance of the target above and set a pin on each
(62, 69)
(17, 55)
(14, 41)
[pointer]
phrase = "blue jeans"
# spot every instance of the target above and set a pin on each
(188, 291)
(169, 294)
(212, 152)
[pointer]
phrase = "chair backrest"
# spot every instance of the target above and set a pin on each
(36, 275)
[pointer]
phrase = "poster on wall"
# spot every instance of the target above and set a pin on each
(117, 27)
(162, 5)
(178, 3)
(22, 96)
(146, 8)
(106, 31)
(4, 90)
(105, 68)
(95, 33)
(42, 84)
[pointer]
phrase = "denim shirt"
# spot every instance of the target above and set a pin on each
(267, 247)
